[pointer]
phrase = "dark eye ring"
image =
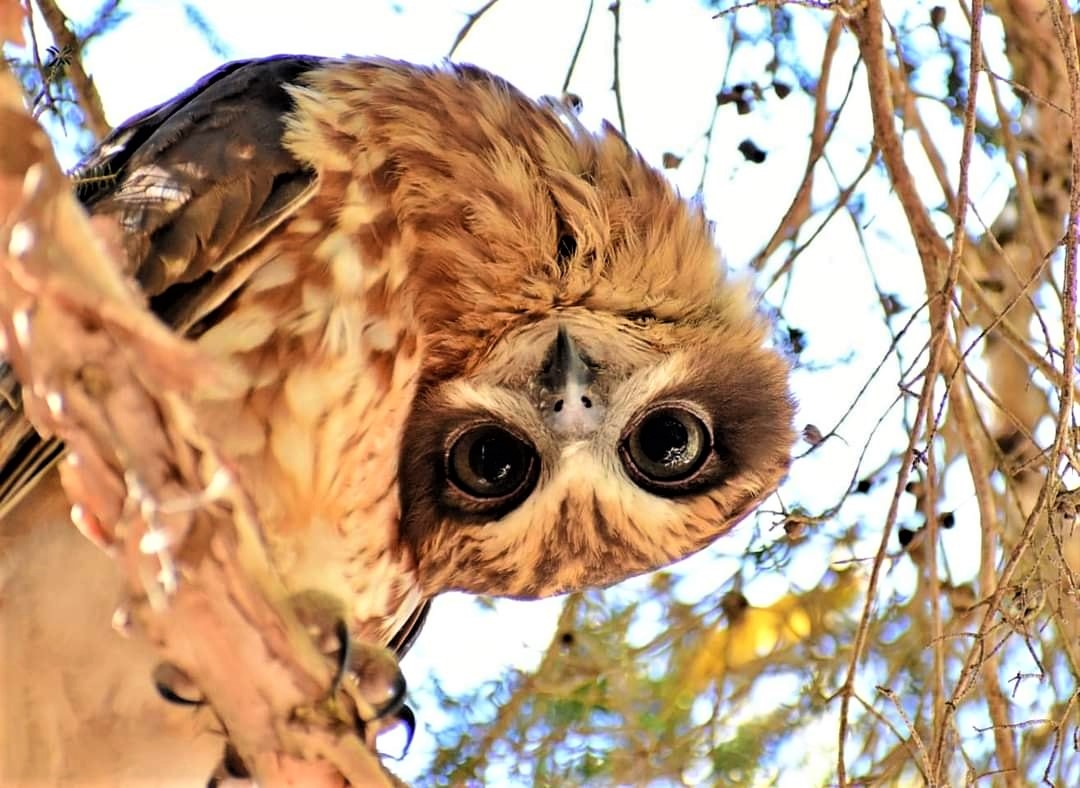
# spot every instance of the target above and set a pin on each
(489, 463)
(665, 446)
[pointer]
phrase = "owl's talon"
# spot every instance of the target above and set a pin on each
(173, 685)
(367, 673)
(343, 654)
(230, 768)
(407, 717)
(368, 663)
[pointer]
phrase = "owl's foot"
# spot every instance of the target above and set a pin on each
(370, 676)
(360, 666)
(367, 684)
(365, 673)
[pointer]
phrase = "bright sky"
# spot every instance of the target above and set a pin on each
(673, 57)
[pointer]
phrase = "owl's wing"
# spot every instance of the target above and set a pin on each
(404, 638)
(195, 184)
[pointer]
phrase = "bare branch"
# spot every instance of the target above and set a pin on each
(85, 91)
(577, 49)
(616, 82)
(470, 20)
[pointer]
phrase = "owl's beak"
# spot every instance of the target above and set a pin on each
(569, 402)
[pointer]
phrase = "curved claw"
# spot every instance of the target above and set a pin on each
(344, 653)
(229, 769)
(407, 717)
(368, 673)
(171, 684)
(373, 672)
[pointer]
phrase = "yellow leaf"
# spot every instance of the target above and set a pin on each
(758, 632)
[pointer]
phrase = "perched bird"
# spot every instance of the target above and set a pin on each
(471, 346)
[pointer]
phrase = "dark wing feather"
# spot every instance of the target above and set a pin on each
(196, 183)
(405, 637)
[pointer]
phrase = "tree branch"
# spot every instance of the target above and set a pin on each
(99, 371)
(85, 91)
(470, 20)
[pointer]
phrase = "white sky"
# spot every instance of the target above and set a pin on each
(673, 56)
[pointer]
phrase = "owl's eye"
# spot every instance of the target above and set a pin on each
(488, 462)
(666, 445)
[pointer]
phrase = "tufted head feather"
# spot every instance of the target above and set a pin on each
(594, 399)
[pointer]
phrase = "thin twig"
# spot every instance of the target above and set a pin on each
(868, 28)
(917, 747)
(707, 139)
(1063, 24)
(821, 131)
(616, 83)
(577, 49)
(1067, 42)
(86, 93)
(940, 332)
(1024, 90)
(1059, 735)
(470, 20)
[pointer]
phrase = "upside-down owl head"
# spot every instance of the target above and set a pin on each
(597, 400)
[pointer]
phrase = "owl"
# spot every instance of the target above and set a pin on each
(470, 345)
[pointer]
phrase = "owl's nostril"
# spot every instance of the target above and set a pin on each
(586, 401)
(557, 406)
